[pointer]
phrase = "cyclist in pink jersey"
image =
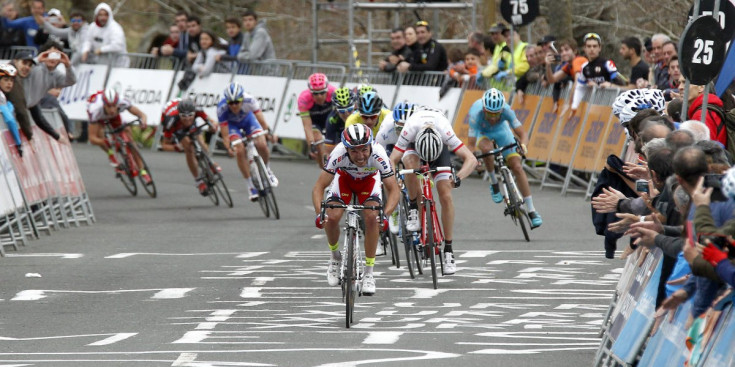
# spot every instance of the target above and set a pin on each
(315, 104)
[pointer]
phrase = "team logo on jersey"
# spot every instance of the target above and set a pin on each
(598, 69)
(610, 65)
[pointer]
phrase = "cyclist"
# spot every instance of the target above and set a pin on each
(344, 106)
(356, 166)
(370, 112)
(491, 119)
(104, 108)
(428, 136)
(314, 107)
(236, 114)
(178, 119)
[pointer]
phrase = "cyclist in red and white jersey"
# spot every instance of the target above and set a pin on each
(356, 166)
(178, 118)
(315, 104)
(104, 108)
(427, 136)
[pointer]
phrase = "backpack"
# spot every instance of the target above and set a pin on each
(727, 122)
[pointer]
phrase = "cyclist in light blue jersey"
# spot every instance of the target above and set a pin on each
(491, 119)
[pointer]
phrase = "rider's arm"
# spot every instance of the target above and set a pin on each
(395, 157)
(391, 188)
(43, 123)
(317, 194)
(261, 120)
(306, 120)
(139, 114)
(225, 133)
(469, 162)
(522, 135)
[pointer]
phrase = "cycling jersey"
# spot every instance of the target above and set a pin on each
(8, 111)
(318, 113)
(237, 122)
(500, 132)
(96, 110)
(432, 117)
(335, 126)
(355, 118)
(339, 160)
(171, 120)
(387, 136)
(598, 70)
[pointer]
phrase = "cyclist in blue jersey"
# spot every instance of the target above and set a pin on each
(236, 117)
(491, 119)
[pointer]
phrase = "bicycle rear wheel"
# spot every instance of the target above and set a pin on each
(350, 278)
(257, 179)
(268, 195)
(206, 173)
(430, 246)
(126, 176)
(151, 187)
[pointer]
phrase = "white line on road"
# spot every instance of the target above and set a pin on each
(184, 359)
(171, 293)
(36, 294)
(528, 351)
(113, 339)
(124, 255)
(427, 293)
(382, 337)
(250, 292)
(478, 253)
(63, 256)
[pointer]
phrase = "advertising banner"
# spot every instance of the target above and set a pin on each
(289, 123)
(145, 89)
(73, 99)
(267, 90)
(206, 92)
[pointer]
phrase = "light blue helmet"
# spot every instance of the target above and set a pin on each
(234, 93)
(493, 100)
(369, 104)
(402, 111)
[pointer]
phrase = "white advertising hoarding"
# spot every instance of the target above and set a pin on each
(146, 90)
(73, 99)
(429, 96)
(267, 90)
(289, 123)
(206, 92)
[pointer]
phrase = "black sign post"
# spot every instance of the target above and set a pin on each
(702, 50)
(725, 16)
(519, 12)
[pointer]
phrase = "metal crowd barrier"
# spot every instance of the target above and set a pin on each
(335, 73)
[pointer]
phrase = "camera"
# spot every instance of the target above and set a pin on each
(715, 182)
(557, 57)
(641, 186)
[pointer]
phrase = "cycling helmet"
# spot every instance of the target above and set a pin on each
(628, 103)
(364, 88)
(7, 70)
(728, 183)
(186, 107)
(110, 97)
(318, 82)
(369, 104)
(343, 98)
(403, 111)
(234, 93)
(493, 100)
(357, 135)
(428, 143)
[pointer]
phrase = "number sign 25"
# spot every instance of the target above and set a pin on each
(702, 50)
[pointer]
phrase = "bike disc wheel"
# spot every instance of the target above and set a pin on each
(351, 279)
(430, 246)
(149, 188)
(222, 191)
(257, 179)
(126, 176)
(269, 195)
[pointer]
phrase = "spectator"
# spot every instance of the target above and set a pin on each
(55, 18)
(7, 79)
(411, 40)
(24, 63)
(48, 77)
(714, 122)
(207, 57)
(429, 56)
(674, 75)
(597, 71)
(470, 64)
(519, 63)
(501, 59)
(476, 41)
(401, 51)
(257, 44)
(673, 110)
(534, 74)
(233, 28)
(630, 50)
(10, 36)
(545, 44)
(659, 75)
(193, 30)
(178, 50)
(172, 40)
(28, 24)
(75, 35)
(105, 42)
(648, 55)
(566, 70)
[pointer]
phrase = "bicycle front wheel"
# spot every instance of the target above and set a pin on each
(221, 188)
(430, 247)
(126, 176)
(350, 277)
(257, 178)
(268, 195)
(516, 203)
(406, 236)
(150, 188)
(206, 173)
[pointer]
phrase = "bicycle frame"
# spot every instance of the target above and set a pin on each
(424, 174)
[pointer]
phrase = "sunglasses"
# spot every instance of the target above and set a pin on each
(422, 23)
(232, 103)
(346, 110)
(77, 20)
(369, 117)
(191, 114)
(592, 36)
(493, 114)
(318, 93)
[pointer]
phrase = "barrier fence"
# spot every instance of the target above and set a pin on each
(632, 335)
(42, 190)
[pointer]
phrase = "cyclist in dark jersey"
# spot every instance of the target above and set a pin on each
(344, 105)
(598, 71)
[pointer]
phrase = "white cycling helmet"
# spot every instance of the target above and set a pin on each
(628, 103)
(110, 97)
(428, 143)
(728, 183)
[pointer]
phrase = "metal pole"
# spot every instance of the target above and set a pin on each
(350, 32)
(474, 15)
(315, 31)
(705, 99)
(685, 102)
(512, 53)
(370, 39)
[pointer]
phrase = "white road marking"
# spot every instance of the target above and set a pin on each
(250, 292)
(109, 336)
(61, 255)
(262, 280)
(113, 339)
(318, 236)
(528, 351)
(184, 359)
(171, 293)
(478, 253)
(124, 255)
(36, 294)
(427, 293)
(382, 337)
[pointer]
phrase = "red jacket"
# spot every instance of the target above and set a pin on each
(712, 119)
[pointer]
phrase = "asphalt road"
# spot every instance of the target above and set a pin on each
(176, 281)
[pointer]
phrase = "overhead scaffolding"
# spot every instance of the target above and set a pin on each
(381, 36)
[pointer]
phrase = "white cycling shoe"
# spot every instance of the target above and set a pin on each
(368, 285)
(272, 178)
(449, 266)
(412, 222)
(333, 272)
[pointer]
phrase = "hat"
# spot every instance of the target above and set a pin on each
(498, 27)
(647, 44)
(54, 12)
(25, 55)
(547, 38)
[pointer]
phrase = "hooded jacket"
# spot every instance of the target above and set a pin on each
(109, 39)
(712, 119)
(256, 45)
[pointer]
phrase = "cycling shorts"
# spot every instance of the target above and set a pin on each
(501, 139)
(444, 160)
(249, 125)
(344, 185)
(333, 134)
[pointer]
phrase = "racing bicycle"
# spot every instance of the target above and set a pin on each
(130, 160)
(260, 177)
(511, 195)
(209, 171)
(352, 268)
(410, 239)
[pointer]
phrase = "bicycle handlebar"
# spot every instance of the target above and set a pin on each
(498, 150)
(326, 205)
(246, 138)
(423, 171)
(124, 125)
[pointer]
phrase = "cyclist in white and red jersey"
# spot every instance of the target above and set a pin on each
(356, 166)
(315, 104)
(179, 117)
(427, 136)
(104, 108)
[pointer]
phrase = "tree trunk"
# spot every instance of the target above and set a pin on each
(559, 17)
(490, 12)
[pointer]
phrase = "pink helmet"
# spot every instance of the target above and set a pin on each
(318, 82)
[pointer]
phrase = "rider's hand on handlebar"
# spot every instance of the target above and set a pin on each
(383, 222)
(319, 222)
